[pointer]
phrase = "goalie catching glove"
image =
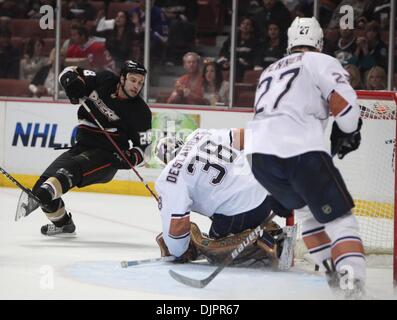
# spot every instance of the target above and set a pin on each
(343, 143)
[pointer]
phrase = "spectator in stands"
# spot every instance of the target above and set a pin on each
(43, 81)
(361, 23)
(216, 90)
(331, 37)
(371, 50)
(272, 10)
(361, 8)
(86, 52)
(354, 76)
(80, 10)
(246, 44)
(182, 16)
(33, 11)
(119, 37)
(138, 35)
(346, 46)
(33, 59)
(159, 31)
(9, 56)
(271, 49)
(376, 79)
(189, 87)
(12, 9)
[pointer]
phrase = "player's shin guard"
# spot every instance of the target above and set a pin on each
(316, 240)
(54, 187)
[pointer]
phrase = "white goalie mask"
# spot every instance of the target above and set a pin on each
(305, 32)
(167, 148)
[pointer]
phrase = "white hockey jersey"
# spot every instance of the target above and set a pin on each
(207, 176)
(291, 109)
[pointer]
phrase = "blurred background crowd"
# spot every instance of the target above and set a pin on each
(190, 44)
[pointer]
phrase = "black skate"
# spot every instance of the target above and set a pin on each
(26, 205)
(65, 230)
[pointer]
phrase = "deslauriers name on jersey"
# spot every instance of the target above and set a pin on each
(284, 63)
(178, 163)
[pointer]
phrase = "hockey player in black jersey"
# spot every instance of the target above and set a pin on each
(115, 102)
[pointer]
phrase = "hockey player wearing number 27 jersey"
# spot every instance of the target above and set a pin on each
(116, 105)
(293, 101)
(211, 177)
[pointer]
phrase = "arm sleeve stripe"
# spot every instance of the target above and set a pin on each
(177, 215)
(179, 237)
(346, 111)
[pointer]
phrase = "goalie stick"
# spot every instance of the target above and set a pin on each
(131, 263)
(252, 236)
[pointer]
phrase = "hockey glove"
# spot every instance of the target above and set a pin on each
(74, 85)
(133, 155)
(191, 253)
(342, 143)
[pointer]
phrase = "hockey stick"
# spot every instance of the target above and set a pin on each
(29, 206)
(252, 236)
(20, 186)
(126, 264)
(121, 153)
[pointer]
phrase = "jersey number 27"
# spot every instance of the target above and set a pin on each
(289, 76)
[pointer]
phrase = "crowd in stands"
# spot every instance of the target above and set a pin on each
(190, 36)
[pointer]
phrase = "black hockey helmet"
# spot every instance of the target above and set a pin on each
(132, 66)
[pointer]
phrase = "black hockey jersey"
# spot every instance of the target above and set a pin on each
(124, 120)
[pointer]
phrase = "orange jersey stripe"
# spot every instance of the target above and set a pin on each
(316, 240)
(180, 226)
(345, 247)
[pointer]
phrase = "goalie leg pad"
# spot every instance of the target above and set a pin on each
(216, 250)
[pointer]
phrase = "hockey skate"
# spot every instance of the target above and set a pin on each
(66, 230)
(342, 286)
(26, 205)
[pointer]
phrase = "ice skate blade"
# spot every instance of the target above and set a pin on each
(61, 235)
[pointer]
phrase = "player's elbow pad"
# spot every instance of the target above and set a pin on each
(347, 119)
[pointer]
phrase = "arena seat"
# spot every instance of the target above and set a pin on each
(14, 88)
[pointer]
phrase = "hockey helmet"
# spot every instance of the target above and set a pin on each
(167, 148)
(305, 32)
(132, 66)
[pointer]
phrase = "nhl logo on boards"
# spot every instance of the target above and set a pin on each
(327, 209)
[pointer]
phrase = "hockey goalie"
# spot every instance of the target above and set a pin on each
(209, 175)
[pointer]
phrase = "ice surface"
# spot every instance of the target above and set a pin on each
(112, 228)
